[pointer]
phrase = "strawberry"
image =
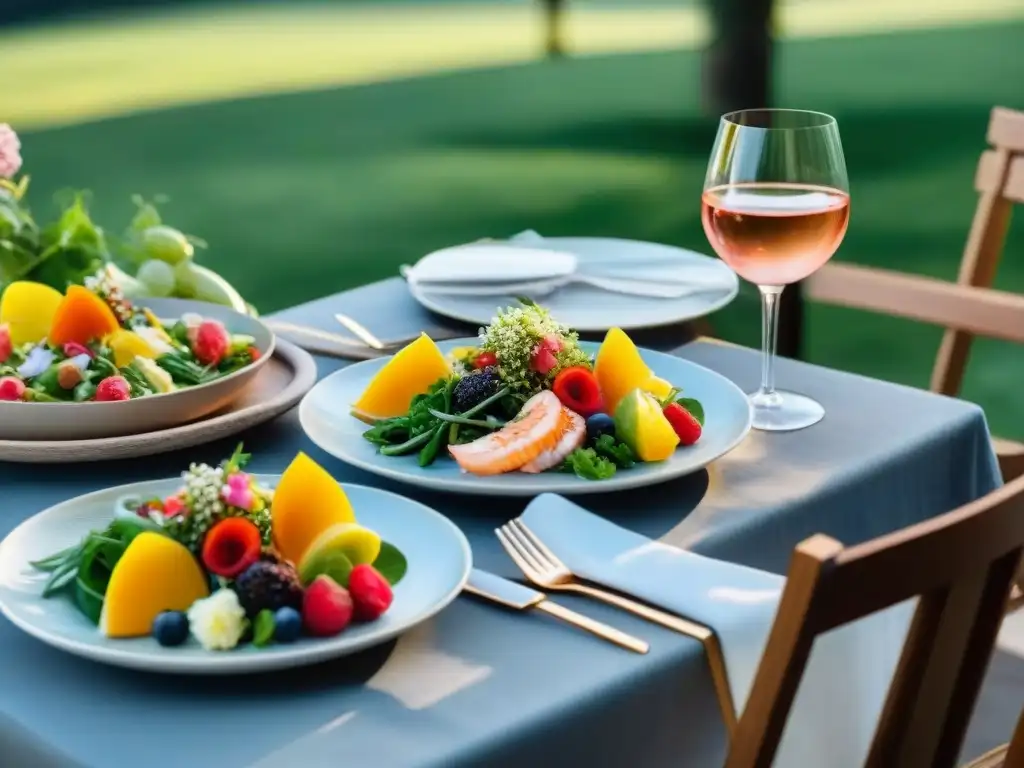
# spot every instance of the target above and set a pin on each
(210, 342)
(11, 388)
(326, 607)
(683, 422)
(6, 345)
(113, 388)
(370, 592)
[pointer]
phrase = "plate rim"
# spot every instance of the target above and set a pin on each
(447, 485)
(423, 298)
(228, 663)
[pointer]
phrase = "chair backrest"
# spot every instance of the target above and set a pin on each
(968, 307)
(962, 592)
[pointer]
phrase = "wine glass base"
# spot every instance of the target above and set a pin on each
(783, 411)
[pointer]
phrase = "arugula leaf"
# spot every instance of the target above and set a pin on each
(589, 465)
(263, 629)
(610, 448)
(391, 563)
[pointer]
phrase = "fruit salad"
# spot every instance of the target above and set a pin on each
(529, 399)
(225, 561)
(91, 345)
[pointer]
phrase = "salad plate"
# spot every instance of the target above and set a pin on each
(268, 572)
(89, 365)
(653, 417)
(592, 309)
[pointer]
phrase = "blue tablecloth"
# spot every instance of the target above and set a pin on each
(478, 685)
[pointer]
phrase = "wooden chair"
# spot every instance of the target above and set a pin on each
(969, 307)
(1007, 756)
(962, 591)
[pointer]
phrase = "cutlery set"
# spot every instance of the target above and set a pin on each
(544, 569)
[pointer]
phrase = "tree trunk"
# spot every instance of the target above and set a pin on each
(737, 74)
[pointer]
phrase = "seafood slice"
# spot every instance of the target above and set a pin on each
(537, 428)
(573, 433)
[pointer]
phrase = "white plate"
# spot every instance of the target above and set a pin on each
(590, 309)
(439, 564)
(88, 421)
(324, 414)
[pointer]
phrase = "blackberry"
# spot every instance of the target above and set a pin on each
(474, 388)
(268, 586)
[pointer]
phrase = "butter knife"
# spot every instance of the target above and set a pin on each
(508, 593)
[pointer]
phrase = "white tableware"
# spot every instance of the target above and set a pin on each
(324, 414)
(91, 420)
(439, 562)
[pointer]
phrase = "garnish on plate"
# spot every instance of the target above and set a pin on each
(92, 345)
(208, 562)
(528, 399)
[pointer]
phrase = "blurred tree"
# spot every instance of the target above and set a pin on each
(554, 13)
(737, 74)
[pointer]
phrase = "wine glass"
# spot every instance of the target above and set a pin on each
(775, 207)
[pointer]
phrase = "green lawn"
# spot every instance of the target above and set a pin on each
(309, 193)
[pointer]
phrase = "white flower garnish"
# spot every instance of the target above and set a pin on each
(218, 621)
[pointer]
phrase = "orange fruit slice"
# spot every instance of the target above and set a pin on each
(409, 373)
(307, 502)
(83, 317)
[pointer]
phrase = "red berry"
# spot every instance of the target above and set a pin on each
(685, 425)
(326, 607)
(370, 592)
(485, 360)
(254, 354)
(6, 345)
(578, 390)
(210, 343)
(73, 348)
(231, 546)
(113, 388)
(11, 388)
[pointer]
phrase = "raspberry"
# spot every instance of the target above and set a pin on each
(685, 425)
(370, 592)
(11, 388)
(210, 342)
(113, 388)
(326, 607)
(6, 345)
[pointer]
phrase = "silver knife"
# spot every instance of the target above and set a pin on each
(512, 595)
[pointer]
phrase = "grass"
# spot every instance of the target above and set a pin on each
(308, 193)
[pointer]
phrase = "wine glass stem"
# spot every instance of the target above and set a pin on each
(769, 336)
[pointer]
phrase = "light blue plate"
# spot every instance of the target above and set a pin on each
(324, 414)
(590, 309)
(439, 564)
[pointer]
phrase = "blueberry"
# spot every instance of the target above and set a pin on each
(287, 625)
(170, 628)
(600, 424)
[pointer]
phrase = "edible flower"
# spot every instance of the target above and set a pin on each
(237, 492)
(174, 506)
(74, 349)
(543, 358)
(218, 621)
(10, 152)
(37, 361)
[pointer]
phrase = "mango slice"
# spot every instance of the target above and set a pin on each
(620, 369)
(28, 308)
(641, 424)
(155, 574)
(307, 502)
(83, 317)
(407, 374)
(127, 345)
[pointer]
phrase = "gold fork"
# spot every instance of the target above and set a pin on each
(542, 567)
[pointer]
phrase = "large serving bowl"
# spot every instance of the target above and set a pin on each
(83, 421)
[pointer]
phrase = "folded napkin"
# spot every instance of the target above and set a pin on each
(838, 704)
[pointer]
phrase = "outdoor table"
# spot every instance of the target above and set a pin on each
(479, 685)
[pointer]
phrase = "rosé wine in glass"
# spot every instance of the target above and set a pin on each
(775, 234)
(775, 207)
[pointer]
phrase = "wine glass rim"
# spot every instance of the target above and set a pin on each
(826, 120)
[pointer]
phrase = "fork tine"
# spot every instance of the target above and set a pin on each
(526, 543)
(524, 565)
(543, 551)
(516, 541)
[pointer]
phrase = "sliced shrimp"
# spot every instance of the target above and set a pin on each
(536, 429)
(573, 433)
